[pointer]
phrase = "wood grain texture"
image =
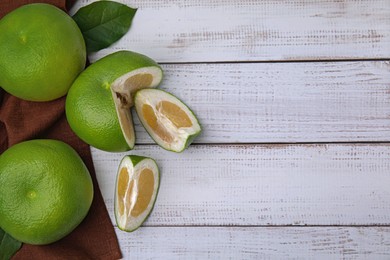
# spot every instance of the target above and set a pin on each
(243, 199)
(251, 30)
(256, 243)
(264, 184)
(283, 102)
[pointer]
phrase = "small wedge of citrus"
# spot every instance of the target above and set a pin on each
(136, 190)
(99, 101)
(46, 191)
(167, 120)
(42, 51)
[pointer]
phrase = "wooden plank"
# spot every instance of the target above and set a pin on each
(284, 102)
(251, 30)
(256, 243)
(335, 184)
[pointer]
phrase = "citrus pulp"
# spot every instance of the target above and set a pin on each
(136, 190)
(98, 103)
(167, 119)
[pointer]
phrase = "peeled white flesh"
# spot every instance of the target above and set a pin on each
(123, 89)
(140, 181)
(162, 127)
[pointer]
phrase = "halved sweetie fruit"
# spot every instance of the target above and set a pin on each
(136, 191)
(170, 123)
(99, 100)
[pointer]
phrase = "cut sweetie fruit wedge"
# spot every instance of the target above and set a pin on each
(136, 191)
(99, 101)
(170, 123)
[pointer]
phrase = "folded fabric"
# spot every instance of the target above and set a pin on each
(21, 120)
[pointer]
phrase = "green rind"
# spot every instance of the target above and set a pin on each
(90, 108)
(19, 161)
(32, 69)
(190, 138)
(135, 159)
(154, 202)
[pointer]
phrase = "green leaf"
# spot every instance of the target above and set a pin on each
(104, 22)
(8, 245)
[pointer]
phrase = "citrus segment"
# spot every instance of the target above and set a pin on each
(99, 101)
(167, 120)
(145, 187)
(42, 51)
(136, 191)
(123, 180)
(46, 191)
(151, 120)
(138, 81)
(174, 113)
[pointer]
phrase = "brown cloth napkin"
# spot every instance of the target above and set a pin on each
(21, 120)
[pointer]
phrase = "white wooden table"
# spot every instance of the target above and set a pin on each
(294, 159)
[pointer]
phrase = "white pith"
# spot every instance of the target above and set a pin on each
(126, 221)
(120, 92)
(180, 135)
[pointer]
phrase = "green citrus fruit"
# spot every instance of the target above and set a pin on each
(41, 52)
(46, 191)
(99, 101)
(167, 119)
(136, 191)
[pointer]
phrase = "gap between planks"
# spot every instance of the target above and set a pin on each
(283, 103)
(264, 185)
(193, 31)
(256, 243)
(385, 59)
(262, 226)
(281, 143)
